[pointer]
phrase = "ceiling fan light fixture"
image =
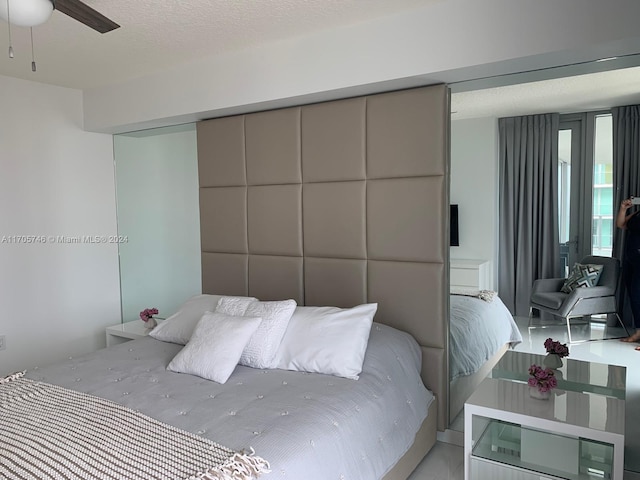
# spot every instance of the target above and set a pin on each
(26, 13)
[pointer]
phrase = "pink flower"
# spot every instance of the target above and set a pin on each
(558, 348)
(543, 378)
(148, 313)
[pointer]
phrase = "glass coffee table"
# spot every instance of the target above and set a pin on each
(578, 433)
(574, 375)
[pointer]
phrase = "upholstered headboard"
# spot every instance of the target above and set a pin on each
(336, 203)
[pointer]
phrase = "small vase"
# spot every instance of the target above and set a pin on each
(553, 361)
(151, 323)
(535, 393)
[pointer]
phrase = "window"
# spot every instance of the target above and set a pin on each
(602, 213)
(585, 186)
(564, 183)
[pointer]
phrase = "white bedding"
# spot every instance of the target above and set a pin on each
(307, 426)
(478, 329)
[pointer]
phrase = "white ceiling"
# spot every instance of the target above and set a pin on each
(579, 93)
(158, 35)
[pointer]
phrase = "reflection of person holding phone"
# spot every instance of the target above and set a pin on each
(631, 261)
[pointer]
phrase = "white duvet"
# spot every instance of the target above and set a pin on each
(478, 329)
(307, 426)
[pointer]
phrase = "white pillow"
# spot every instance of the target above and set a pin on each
(327, 340)
(179, 326)
(261, 350)
(234, 305)
(215, 346)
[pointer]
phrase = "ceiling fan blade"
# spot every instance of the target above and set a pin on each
(86, 15)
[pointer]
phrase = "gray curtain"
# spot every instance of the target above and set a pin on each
(626, 177)
(529, 239)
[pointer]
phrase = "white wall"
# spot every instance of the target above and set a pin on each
(158, 213)
(445, 41)
(474, 187)
(55, 179)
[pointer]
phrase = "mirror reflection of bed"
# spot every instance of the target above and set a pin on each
(481, 329)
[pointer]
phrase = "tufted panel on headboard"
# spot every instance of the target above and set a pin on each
(336, 203)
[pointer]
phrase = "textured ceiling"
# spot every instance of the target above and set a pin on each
(579, 93)
(158, 35)
(155, 35)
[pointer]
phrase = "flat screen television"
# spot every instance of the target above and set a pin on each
(454, 239)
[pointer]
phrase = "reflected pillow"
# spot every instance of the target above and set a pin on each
(215, 346)
(327, 340)
(582, 276)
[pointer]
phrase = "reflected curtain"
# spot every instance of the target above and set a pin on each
(528, 206)
(626, 175)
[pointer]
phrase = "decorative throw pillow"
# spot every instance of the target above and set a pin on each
(234, 305)
(327, 340)
(582, 275)
(215, 346)
(261, 350)
(179, 326)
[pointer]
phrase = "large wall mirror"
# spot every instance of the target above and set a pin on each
(582, 94)
(158, 219)
(474, 186)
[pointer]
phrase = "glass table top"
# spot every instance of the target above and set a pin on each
(574, 375)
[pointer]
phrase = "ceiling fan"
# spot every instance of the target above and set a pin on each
(29, 13)
(85, 14)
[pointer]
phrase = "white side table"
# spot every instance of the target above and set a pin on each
(509, 435)
(123, 332)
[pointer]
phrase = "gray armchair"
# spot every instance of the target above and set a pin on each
(601, 299)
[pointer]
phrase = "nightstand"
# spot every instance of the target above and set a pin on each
(123, 332)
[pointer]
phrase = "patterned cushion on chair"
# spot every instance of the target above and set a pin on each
(582, 276)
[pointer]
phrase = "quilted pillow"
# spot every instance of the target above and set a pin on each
(236, 306)
(261, 350)
(215, 346)
(582, 275)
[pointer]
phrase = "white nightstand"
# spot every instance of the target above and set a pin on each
(470, 273)
(123, 332)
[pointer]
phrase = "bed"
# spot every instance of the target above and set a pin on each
(341, 203)
(310, 426)
(481, 330)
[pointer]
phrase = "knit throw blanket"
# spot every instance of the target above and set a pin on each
(49, 432)
(486, 295)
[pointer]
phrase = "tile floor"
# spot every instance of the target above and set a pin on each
(445, 461)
